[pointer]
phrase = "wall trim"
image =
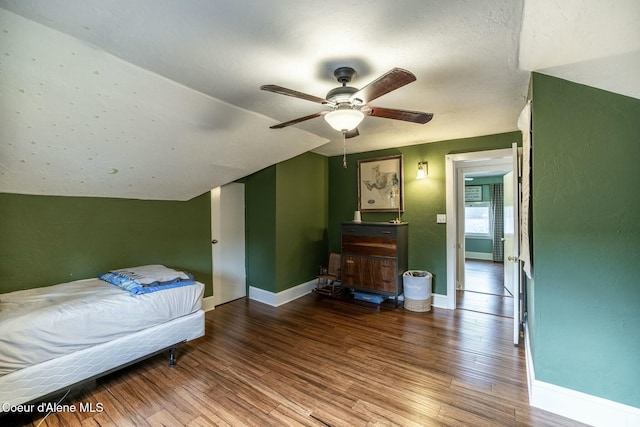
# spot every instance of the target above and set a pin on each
(582, 407)
(440, 301)
(208, 304)
(283, 297)
(479, 255)
(277, 299)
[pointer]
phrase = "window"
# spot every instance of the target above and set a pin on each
(477, 219)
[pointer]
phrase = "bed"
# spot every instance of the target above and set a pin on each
(57, 336)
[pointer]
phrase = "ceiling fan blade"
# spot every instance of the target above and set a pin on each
(298, 120)
(406, 115)
(352, 133)
(294, 93)
(392, 80)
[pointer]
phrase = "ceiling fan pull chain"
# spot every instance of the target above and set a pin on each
(344, 149)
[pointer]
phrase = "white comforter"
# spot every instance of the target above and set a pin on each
(44, 323)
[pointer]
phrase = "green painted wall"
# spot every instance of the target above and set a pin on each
(287, 222)
(584, 308)
(423, 198)
(46, 240)
(478, 244)
(301, 203)
(260, 228)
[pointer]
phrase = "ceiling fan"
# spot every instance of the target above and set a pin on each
(349, 105)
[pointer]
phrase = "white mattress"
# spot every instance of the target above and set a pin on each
(41, 324)
(35, 381)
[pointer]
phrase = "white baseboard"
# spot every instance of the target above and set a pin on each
(440, 301)
(208, 304)
(288, 295)
(479, 255)
(277, 299)
(582, 407)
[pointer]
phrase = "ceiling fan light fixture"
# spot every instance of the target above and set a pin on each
(344, 119)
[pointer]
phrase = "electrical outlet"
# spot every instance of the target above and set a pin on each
(441, 218)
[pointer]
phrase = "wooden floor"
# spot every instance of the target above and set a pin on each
(484, 289)
(322, 362)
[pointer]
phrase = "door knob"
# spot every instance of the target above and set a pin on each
(214, 241)
(512, 258)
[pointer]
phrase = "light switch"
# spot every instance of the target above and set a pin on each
(441, 218)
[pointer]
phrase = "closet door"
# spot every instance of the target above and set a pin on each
(228, 244)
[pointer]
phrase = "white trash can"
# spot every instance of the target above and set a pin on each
(417, 290)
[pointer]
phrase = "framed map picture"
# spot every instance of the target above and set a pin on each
(380, 184)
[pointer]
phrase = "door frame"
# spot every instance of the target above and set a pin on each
(456, 166)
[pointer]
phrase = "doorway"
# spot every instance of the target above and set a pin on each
(482, 287)
(457, 165)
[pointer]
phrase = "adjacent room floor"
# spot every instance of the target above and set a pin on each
(484, 289)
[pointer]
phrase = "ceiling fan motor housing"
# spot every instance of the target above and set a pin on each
(341, 95)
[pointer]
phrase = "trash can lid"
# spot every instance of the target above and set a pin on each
(416, 273)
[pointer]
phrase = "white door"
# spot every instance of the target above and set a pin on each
(228, 244)
(511, 241)
(461, 243)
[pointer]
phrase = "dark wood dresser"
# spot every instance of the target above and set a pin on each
(374, 256)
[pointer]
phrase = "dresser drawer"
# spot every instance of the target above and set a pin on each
(369, 246)
(379, 275)
(370, 230)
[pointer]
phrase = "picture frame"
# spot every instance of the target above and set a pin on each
(473, 193)
(381, 184)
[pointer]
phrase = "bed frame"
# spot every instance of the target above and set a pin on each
(57, 375)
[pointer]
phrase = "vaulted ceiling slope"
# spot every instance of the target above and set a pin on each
(160, 99)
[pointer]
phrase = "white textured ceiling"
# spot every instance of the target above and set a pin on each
(592, 42)
(160, 99)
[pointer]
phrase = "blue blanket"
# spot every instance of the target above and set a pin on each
(139, 283)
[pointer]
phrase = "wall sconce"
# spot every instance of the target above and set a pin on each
(423, 170)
